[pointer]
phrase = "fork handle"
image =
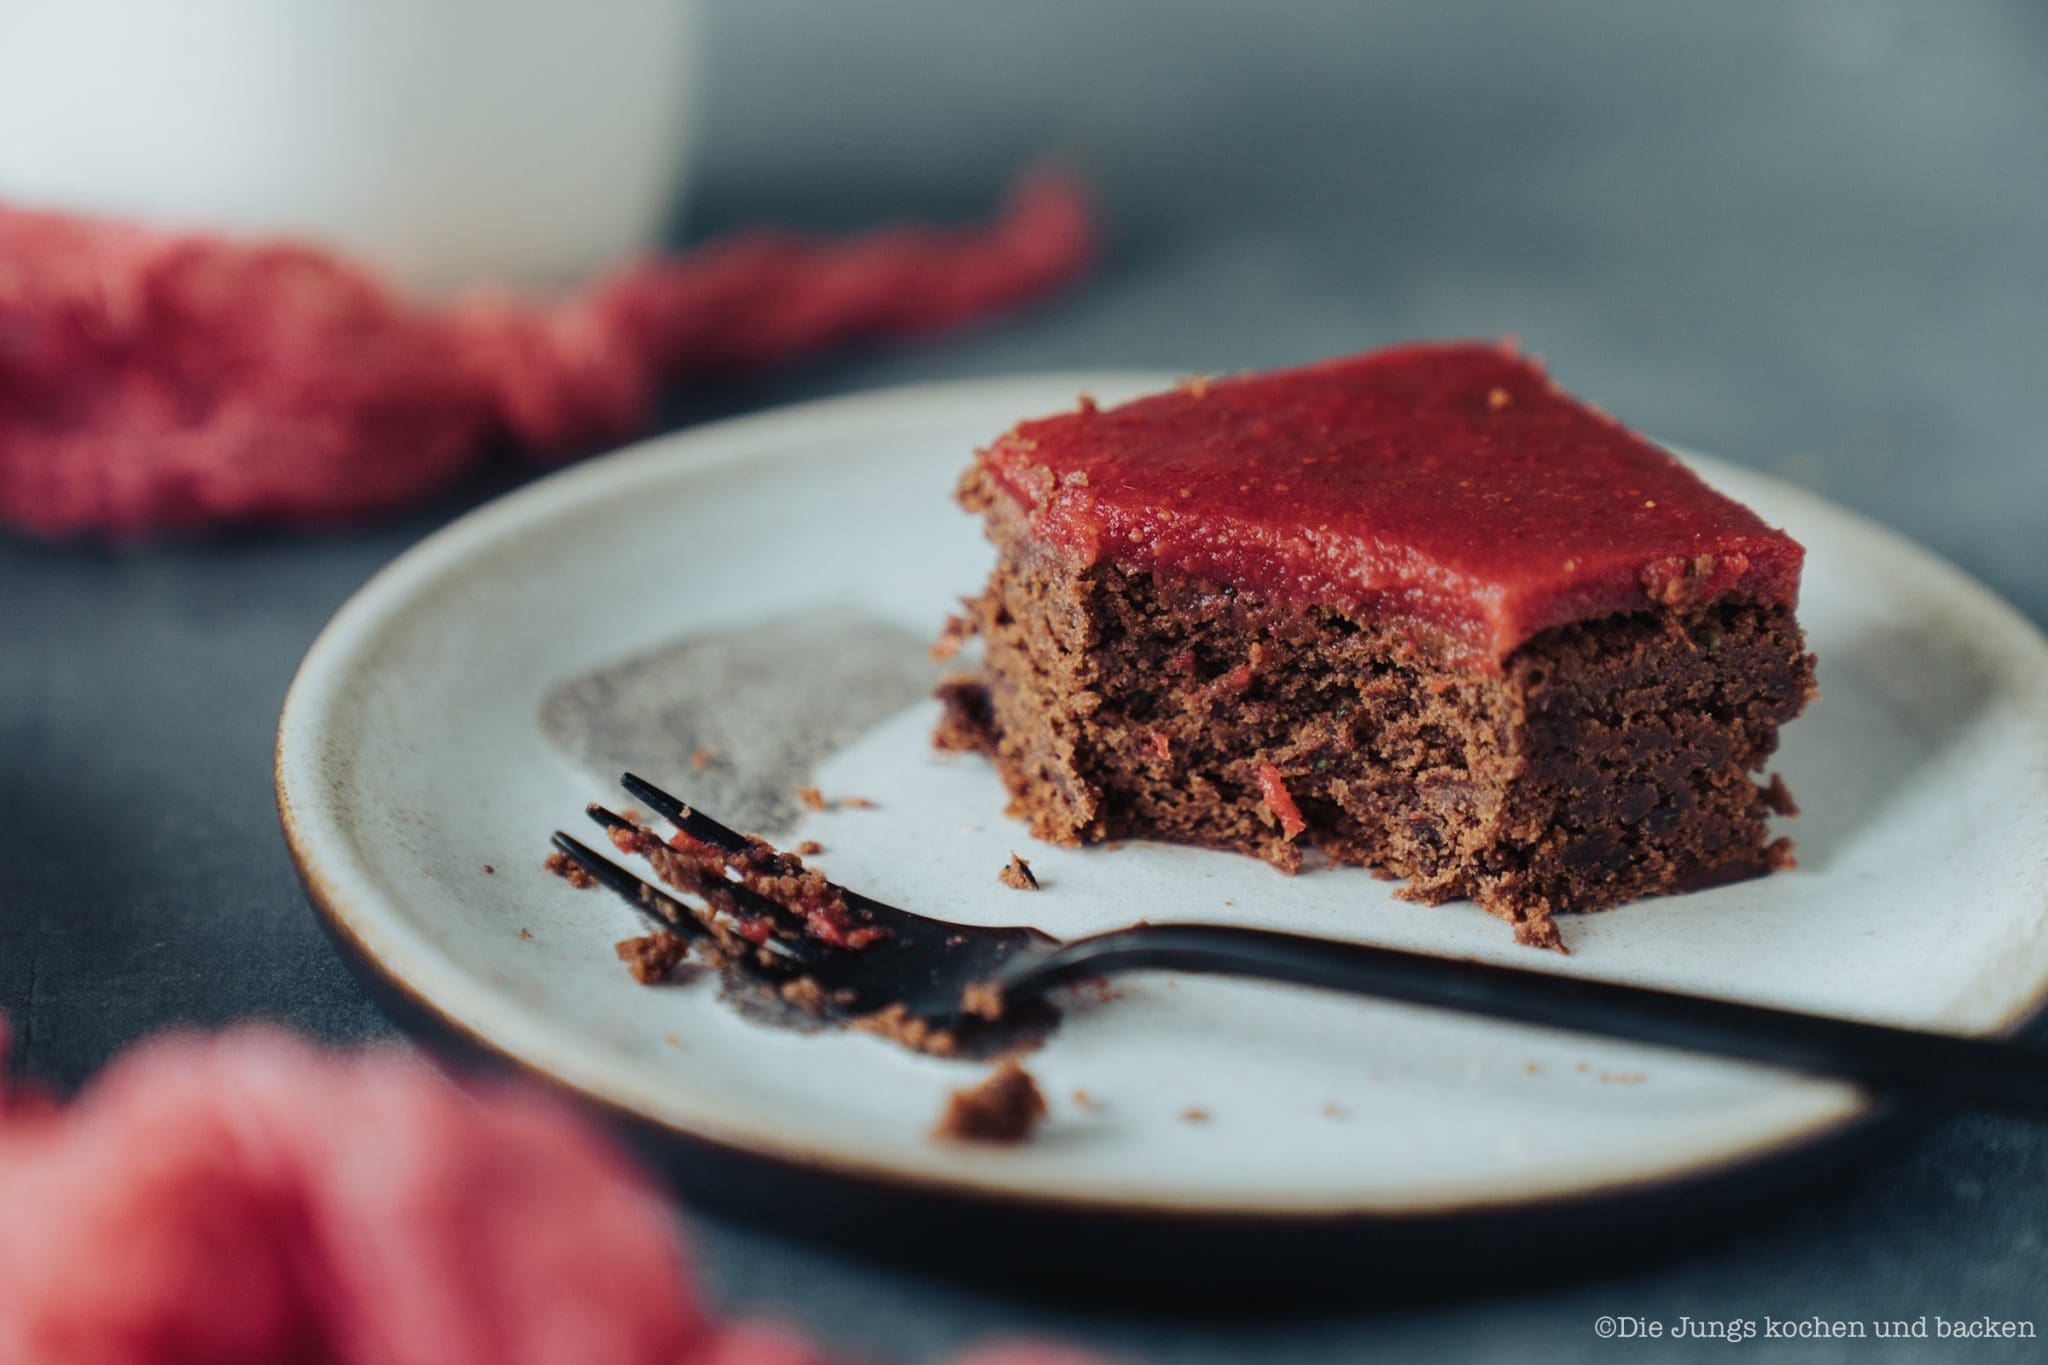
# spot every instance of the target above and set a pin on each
(1984, 1073)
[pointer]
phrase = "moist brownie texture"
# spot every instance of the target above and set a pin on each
(1507, 724)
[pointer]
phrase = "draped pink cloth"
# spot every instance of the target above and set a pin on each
(248, 1199)
(153, 381)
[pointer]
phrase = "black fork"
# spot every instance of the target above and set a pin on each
(938, 970)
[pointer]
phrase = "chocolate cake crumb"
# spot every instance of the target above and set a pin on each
(1535, 933)
(490, 871)
(966, 720)
(806, 994)
(1085, 1100)
(1778, 796)
(1006, 1107)
(526, 935)
(570, 872)
(982, 1000)
(1017, 875)
(900, 1026)
(1194, 1116)
(810, 798)
(1333, 1110)
(952, 636)
(700, 759)
(809, 848)
(651, 957)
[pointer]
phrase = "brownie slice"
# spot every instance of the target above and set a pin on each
(1409, 609)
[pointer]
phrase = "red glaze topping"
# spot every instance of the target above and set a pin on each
(1450, 484)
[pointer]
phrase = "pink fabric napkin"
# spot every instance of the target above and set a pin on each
(154, 381)
(248, 1199)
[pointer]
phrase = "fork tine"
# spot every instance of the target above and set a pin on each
(683, 816)
(703, 828)
(724, 895)
(651, 901)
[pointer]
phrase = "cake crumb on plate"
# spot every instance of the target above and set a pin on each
(810, 798)
(1005, 1107)
(651, 957)
(569, 872)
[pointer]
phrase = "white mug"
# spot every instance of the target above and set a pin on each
(444, 142)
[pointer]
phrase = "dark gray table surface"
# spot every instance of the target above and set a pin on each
(1809, 236)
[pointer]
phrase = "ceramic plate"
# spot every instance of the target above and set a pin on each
(763, 591)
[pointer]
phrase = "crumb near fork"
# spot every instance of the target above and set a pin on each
(562, 867)
(1005, 1107)
(651, 957)
(1017, 875)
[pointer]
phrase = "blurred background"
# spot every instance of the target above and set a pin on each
(1810, 236)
